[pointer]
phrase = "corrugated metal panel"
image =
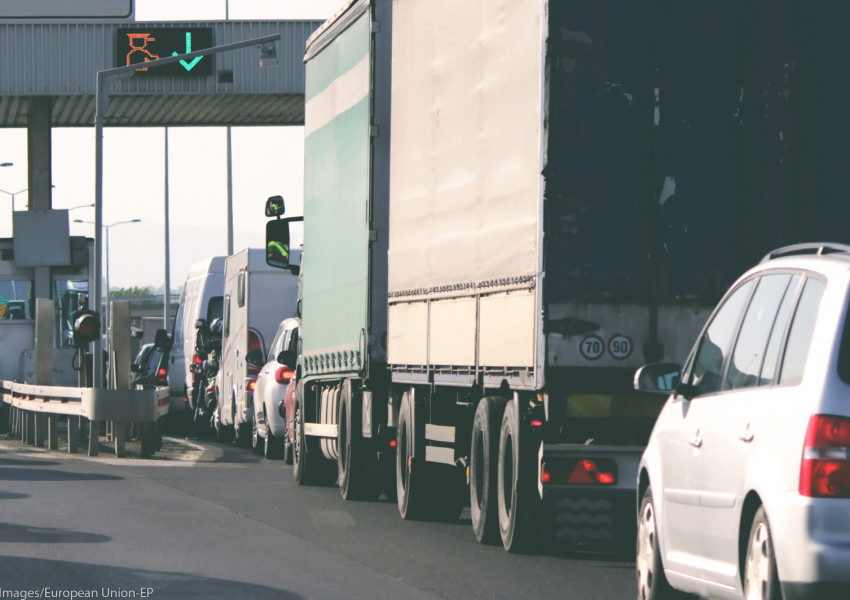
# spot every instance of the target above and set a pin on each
(62, 60)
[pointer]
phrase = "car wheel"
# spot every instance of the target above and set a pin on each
(274, 445)
(287, 450)
(651, 581)
(257, 442)
(761, 581)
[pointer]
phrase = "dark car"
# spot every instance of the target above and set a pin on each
(150, 369)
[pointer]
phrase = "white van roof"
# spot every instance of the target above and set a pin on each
(213, 264)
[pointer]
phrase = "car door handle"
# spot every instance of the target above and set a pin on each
(747, 436)
(696, 442)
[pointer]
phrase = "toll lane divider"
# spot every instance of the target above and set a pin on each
(34, 406)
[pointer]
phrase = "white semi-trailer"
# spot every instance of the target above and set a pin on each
(571, 187)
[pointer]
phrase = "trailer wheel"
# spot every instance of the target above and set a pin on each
(410, 472)
(483, 465)
(355, 481)
(511, 502)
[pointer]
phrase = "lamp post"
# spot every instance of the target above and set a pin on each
(106, 228)
(81, 206)
(12, 196)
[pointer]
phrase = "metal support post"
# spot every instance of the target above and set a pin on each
(52, 432)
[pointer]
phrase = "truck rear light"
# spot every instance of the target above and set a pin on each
(161, 376)
(582, 471)
(284, 374)
(250, 384)
(825, 467)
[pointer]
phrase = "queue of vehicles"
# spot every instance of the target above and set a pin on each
(490, 262)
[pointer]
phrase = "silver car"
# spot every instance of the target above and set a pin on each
(744, 487)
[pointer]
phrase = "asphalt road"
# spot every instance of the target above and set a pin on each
(210, 521)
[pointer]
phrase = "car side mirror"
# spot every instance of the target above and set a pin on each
(254, 357)
(287, 357)
(658, 378)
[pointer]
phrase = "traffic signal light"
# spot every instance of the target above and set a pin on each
(86, 327)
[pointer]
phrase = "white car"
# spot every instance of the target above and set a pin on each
(270, 411)
(744, 487)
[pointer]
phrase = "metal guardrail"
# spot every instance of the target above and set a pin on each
(32, 405)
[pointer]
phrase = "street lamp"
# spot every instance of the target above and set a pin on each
(12, 196)
(107, 228)
(81, 206)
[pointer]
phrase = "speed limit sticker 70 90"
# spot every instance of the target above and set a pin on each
(593, 347)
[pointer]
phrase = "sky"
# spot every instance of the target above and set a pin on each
(267, 161)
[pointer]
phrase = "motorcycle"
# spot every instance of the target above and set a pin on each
(208, 348)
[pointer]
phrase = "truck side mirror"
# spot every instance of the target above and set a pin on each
(277, 244)
(275, 206)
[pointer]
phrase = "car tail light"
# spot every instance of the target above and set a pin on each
(283, 374)
(582, 471)
(161, 376)
(825, 468)
(250, 384)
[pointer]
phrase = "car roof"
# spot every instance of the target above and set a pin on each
(825, 258)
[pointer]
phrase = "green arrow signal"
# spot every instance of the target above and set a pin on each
(188, 65)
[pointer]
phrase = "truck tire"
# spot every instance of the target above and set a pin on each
(483, 465)
(511, 497)
(355, 480)
(410, 472)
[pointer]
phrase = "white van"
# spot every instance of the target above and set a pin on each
(202, 298)
(256, 298)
